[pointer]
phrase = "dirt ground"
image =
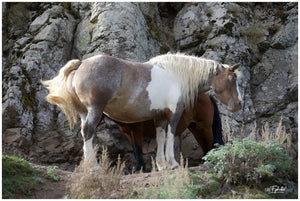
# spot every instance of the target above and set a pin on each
(58, 189)
(48, 189)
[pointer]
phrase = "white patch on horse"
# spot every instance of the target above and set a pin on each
(163, 89)
(238, 90)
(88, 148)
(170, 149)
(160, 156)
(89, 152)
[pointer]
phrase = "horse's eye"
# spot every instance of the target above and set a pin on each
(232, 77)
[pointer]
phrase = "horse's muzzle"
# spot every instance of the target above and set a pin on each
(234, 106)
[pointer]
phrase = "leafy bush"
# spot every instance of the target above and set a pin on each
(248, 162)
(17, 177)
(52, 173)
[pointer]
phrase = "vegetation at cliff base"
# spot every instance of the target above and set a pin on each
(17, 177)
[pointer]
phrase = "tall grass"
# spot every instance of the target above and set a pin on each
(175, 184)
(88, 183)
(264, 134)
(280, 135)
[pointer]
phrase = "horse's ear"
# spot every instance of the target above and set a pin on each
(234, 67)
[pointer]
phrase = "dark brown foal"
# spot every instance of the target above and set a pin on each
(202, 120)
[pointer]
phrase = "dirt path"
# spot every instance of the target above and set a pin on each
(50, 189)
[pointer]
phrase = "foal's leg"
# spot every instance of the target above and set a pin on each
(203, 134)
(137, 136)
(138, 153)
(88, 128)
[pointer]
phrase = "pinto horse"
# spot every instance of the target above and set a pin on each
(131, 92)
(203, 120)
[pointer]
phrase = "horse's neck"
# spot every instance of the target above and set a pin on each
(204, 87)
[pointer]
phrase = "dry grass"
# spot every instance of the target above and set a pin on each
(280, 135)
(226, 130)
(86, 182)
(171, 185)
(264, 134)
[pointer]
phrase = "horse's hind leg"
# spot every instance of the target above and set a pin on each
(88, 129)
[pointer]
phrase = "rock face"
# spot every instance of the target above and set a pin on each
(39, 38)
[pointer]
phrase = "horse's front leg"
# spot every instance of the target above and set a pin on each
(172, 126)
(172, 163)
(160, 154)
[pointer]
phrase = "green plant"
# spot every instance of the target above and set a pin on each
(52, 173)
(243, 161)
(17, 177)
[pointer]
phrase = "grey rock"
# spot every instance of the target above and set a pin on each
(287, 35)
(272, 79)
(37, 43)
(117, 29)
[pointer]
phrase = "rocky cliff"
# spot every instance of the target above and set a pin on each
(39, 38)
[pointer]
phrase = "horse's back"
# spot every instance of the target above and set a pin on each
(117, 85)
(93, 81)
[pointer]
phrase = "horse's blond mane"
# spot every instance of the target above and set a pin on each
(191, 72)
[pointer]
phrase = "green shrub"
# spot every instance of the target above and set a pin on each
(52, 173)
(17, 177)
(249, 162)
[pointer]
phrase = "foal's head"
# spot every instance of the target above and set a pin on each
(226, 88)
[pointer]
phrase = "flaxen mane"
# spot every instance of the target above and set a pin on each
(191, 72)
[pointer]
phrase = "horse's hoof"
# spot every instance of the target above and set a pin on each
(161, 166)
(174, 166)
(97, 167)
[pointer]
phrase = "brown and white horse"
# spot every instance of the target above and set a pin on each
(130, 92)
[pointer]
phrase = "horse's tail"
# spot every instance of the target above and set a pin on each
(61, 92)
(217, 124)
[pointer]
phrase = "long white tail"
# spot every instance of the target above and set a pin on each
(60, 95)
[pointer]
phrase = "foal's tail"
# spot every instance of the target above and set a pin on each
(217, 124)
(61, 92)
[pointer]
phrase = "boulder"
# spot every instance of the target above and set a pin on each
(111, 32)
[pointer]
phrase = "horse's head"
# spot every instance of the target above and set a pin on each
(225, 87)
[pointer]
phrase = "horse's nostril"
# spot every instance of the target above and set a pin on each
(240, 103)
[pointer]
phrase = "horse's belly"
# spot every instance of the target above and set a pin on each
(127, 112)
